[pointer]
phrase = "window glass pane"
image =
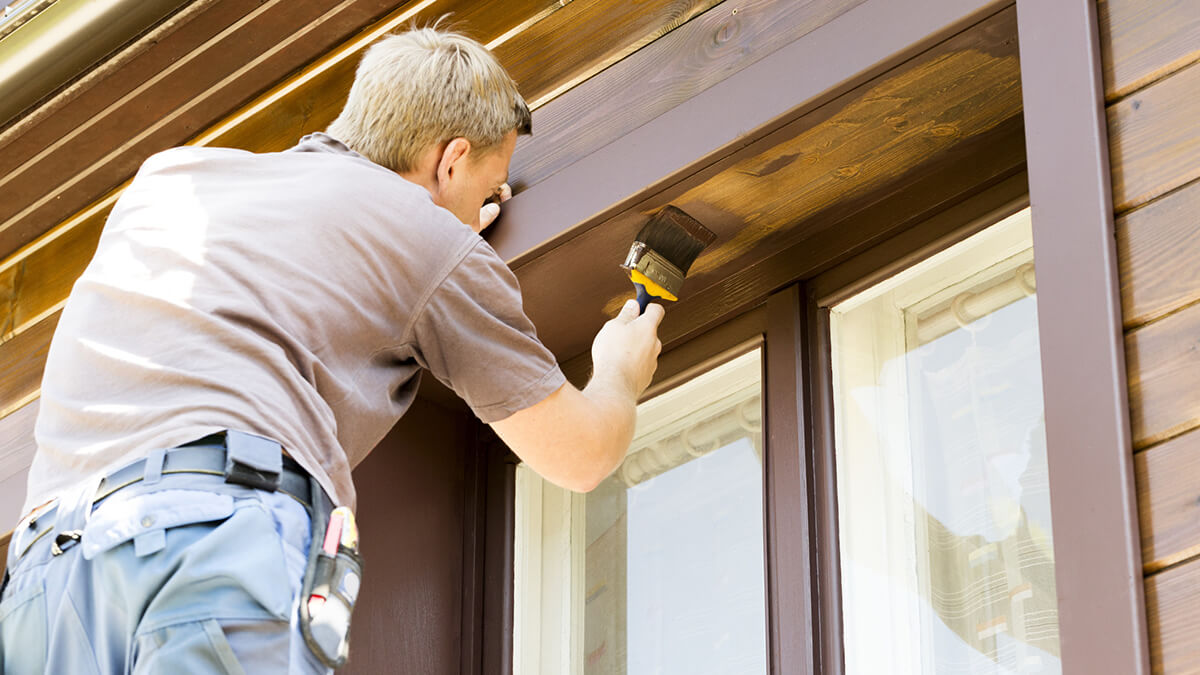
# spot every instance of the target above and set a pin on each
(944, 510)
(660, 568)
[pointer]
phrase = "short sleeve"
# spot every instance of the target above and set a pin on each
(472, 334)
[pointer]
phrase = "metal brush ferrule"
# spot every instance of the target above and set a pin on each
(655, 267)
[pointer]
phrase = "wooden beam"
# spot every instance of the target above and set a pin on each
(1097, 552)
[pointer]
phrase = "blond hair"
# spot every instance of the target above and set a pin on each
(424, 87)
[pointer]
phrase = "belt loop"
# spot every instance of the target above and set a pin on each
(154, 466)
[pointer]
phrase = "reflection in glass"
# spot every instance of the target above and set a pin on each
(671, 577)
(944, 511)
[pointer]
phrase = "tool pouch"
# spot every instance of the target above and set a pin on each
(336, 579)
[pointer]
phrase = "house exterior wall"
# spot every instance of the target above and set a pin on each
(1152, 80)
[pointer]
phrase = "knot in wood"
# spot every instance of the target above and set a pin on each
(943, 130)
(848, 171)
(727, 31)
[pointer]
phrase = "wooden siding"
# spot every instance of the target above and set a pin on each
(1152, 76)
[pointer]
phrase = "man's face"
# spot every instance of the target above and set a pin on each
(476, 178)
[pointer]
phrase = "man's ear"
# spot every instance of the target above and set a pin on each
(453, 155)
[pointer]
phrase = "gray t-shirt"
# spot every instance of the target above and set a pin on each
(295, 295)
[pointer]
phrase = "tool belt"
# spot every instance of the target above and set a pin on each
(334, 570)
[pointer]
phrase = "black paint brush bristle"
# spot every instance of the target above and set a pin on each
(660, 257)
(676, 236)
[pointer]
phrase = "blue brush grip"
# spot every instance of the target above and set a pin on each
(643, 298)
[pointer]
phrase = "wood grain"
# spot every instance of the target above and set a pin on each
(699, 54)
(1157, 246)
(1154, 139)
(1172, 597)
(1142, 42)
(1169, 501)
(584, 38)
(1163, 362)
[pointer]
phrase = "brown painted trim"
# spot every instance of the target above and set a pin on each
(718, 121)
(471, 633)
(1102, 614)
(828, 563)
(793, 623)
(500, 500)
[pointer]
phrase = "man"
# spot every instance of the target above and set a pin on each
(250, 320)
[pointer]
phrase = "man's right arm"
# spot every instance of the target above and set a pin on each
(574, 438)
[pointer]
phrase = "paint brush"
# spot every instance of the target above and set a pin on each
(663, 251)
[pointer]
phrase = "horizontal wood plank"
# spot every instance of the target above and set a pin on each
(701, 53)
(1154, 139)
(1157, 246)
(1163, 364)
(584, 38)
(1168, 486)
(22, 360)
(1142, 42)
(1172, 597)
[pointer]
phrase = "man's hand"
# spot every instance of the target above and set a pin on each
(574, 438)
(491, 210)
(626, 349)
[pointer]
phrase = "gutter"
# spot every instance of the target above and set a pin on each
(64, 40)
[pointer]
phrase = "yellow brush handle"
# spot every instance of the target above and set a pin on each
(651, 287)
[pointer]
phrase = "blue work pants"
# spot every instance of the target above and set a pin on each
(189, 574)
